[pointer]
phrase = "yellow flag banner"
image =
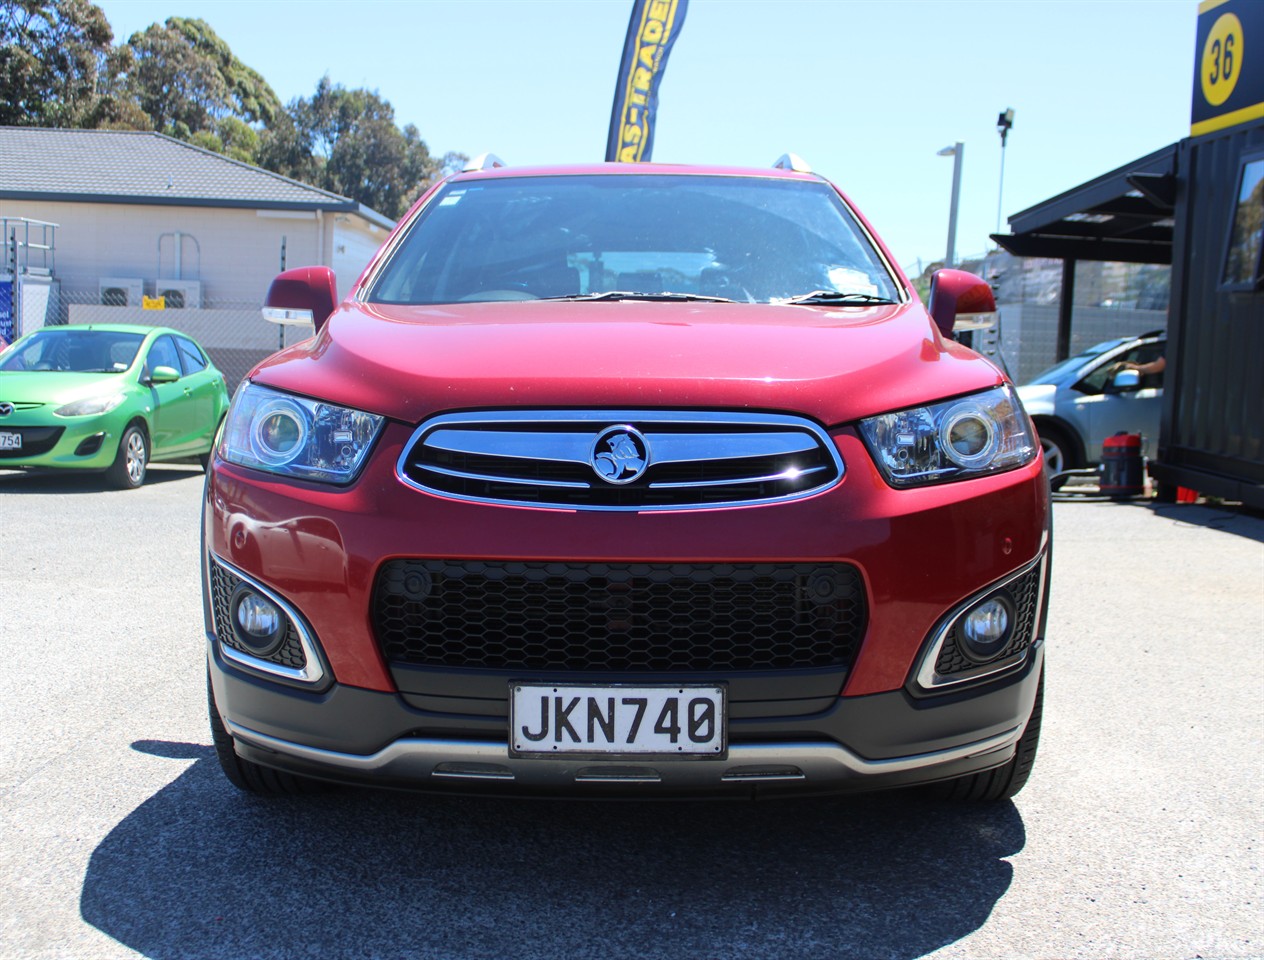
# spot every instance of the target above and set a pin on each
(654, 27)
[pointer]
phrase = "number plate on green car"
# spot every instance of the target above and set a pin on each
(10, 441)
(661, 720)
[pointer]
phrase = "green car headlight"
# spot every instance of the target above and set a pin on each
(295, 436)
(954, 440)
(91, 406)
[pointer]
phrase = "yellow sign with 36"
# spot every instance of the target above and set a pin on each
(1222, 57)
(1229, 82)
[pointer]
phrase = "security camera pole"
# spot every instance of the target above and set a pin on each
(956, 151)
(1003, 124)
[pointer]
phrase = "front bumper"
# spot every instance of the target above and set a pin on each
(350, 735)
(76, 443)
(920, 555)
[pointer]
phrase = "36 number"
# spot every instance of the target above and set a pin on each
(1222, 60)
(1223, 51)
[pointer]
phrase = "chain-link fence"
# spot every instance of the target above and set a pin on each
(233, 333)
(1111, 300)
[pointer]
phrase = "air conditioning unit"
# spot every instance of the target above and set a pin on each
(180, 294)
(122, 291)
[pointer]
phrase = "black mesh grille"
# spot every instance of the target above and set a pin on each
(223, 583)
(1024, 592)
(618, 617)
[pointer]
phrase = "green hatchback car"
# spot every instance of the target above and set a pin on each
(108, 397)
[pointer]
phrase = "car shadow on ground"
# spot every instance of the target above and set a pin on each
(1235, 518)
(202, 870)
(61, 482)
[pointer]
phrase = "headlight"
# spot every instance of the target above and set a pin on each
(91, 407)
(967, 437)
(295, 436)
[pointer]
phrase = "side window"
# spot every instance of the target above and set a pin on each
(190, 355)
(1243, 266)
(1097, 381)
(163, 354)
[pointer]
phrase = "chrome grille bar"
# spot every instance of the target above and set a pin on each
(680, 458)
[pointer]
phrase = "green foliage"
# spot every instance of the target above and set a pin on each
(185, 77)
(52, 56)
(59, 67)
(357, 149)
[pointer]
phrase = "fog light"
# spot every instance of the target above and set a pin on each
(258, 624)
(985, 630)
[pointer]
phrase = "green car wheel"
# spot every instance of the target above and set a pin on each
(128, 470)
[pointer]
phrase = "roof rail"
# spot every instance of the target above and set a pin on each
(792, 161)
(486, 161)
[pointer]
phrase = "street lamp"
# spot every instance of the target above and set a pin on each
(955, 151)
(1003, 124)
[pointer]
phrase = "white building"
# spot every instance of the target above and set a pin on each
(140, 215)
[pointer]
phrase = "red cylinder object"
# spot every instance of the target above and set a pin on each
(1122, 473)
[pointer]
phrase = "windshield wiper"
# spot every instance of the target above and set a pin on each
(835, 296)
(633, 295)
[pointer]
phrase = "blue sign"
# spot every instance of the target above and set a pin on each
(7, 331)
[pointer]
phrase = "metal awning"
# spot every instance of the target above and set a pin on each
(1124, 216)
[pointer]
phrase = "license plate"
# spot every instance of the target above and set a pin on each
(617, 720)
(10, 441)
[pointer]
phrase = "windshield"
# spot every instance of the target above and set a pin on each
(74, 351)
(736, 238)
(1059, 371)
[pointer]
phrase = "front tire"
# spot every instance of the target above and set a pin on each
(244, 774)
(1003, 782)
(1059, 453)
(127, 472)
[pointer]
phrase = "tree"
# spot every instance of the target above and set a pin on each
(358, 149)
(187, 80)
(53, 56)
(59, 67)
(285, 149)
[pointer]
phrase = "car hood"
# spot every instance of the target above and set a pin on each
(1038, 398)
(833, 364)
(41, 386)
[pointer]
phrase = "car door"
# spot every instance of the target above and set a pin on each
(1104, 410)
(202, 383)
(173, 408)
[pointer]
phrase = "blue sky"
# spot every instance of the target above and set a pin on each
(866, 92)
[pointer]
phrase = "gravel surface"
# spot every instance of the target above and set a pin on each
(1138, 836)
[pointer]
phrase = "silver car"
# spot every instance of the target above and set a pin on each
(1079, 402)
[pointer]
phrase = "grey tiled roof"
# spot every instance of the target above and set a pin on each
(123, 165)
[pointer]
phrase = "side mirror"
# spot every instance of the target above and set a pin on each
(301, 296)
(164, 375)
(1126, 380)
(955, 293)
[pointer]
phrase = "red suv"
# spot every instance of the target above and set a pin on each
(627, 479)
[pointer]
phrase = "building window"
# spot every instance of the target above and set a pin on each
(1242, 264)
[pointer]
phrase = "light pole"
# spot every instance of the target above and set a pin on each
(1003, 124)
(955, 151)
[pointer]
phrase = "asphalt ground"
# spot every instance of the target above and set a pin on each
(1139, 835)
